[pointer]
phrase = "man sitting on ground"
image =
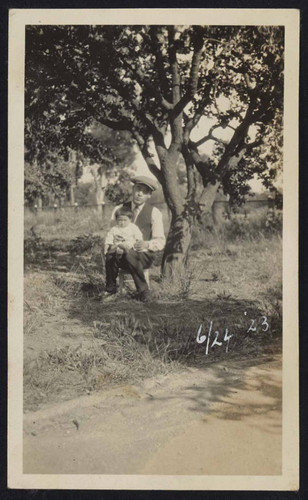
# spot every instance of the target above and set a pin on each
(150, 222)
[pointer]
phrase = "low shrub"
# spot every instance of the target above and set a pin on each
(178, 287)
(252, 227)
(85, 243)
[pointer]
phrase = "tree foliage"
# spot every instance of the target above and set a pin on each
(151, 80)
(54, 128)
(167, 85)
(52, 178)
(121, 190)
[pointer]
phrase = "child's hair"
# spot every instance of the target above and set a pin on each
(124, 211)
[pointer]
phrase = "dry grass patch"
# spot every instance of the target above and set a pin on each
(115, 354)
(67, 223)
(42, 299)
(228, 282)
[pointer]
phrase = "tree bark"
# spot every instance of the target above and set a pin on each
(179, 237)
(177, 247)
(208, 196)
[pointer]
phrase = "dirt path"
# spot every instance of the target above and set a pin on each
(224, 419)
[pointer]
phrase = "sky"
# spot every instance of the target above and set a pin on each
(141, 168)
(207, 148)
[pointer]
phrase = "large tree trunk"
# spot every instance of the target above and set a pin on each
(177, 247)
(207, 197)
(179, 236)
(180, 233)
(206, 201)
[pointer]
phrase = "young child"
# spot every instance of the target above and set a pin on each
(123, 235)
(119, 239)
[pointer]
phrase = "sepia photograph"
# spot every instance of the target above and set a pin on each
(156, 205)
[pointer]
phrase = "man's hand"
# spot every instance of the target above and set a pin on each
(141, 245)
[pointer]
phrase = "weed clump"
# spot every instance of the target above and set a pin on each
(178, 287)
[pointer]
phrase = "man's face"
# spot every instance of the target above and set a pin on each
(141, 193)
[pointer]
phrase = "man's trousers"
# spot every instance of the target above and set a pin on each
(132, 262)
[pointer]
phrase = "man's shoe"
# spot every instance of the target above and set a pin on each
(144, 296)
(108, 295)
(110, 291)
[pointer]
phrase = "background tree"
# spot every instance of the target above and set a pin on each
(49, 182)
(72, 140)
(163, 84)
(112, 152)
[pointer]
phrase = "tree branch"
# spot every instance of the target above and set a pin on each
(77, 96)
(140, 114)
(176, 81)
(194, 71)
(194, 120)
(210, 136)
(159, 60)
(175, 120)
(115, 124)
(123, 124)
(249, 146)
(204, 169)
(237, 140)
(243, 71)
(137, 74)
(148, 157)
(254, 144)
(248, 81)
(123, 91)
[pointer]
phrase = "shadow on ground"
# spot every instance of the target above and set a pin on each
(190, 311)
(55, 260)
(177, 319)
(234, 391)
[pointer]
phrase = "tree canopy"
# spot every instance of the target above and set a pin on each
(174, 89)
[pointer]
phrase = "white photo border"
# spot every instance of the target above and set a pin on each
(18, 19)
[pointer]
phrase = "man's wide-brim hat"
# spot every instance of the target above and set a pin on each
(147, 181)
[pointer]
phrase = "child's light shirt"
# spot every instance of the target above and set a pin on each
(127, 235)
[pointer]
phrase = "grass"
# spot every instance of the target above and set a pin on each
(179, 288)
(76, 344)
(66, 224)
(113, 355)
(127, 348)
(43, 300)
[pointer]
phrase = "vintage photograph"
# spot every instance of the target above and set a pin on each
(153, 208)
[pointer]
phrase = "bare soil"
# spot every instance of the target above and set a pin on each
(224, 419)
